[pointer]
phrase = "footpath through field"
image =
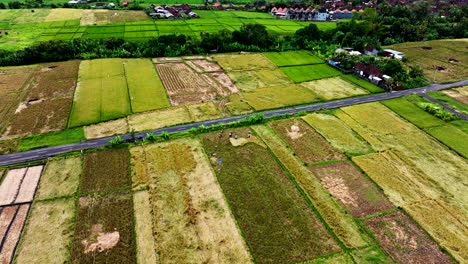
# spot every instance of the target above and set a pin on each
(44, 153)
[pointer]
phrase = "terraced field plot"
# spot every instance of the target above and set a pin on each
(448, 55)
(309, 72)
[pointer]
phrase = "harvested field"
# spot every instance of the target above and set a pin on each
(106, 170)
(237, 105)
(340, 135)
(101, 16)
(104, 230)
(146, 245)
(339, 221)
(191, 221)
(183, 85)
(287, 230)
(159, 118)
(333, 88)
(250, 80)
(13, 83)
(205, 65)
(225, 81)
(306, 143)
(61, 177)
(438, 55)
(145, 88)
(309, 72)
(292, 58)
(38, 118)
(462, 90)
(355, 193)
(404, 241)
(342, 258)
(106, 129)
(61, 14)
(48, 234)
(19, 185)
(218, 88)
(369, 255)
(203, 111)
(445, 225)
(279, 96)
(244, 62)
(12, 220)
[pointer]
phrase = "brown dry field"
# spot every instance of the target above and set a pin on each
(460, 97)
(106, 170)
(183, 85)
(10, 185)
(347, 184)
(219, 88)
(7, 147)
(310, 146)
(207, 66)
(29, 184)
(42, 117)
(12, 85)
(225, 81)
(404, 241)
(13, 233)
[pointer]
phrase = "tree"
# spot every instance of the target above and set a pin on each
(306, 34)
(252, 34)
(2, 6)
(14, 5)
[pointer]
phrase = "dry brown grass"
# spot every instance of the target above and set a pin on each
(61, 177)
(191, 220)
(339, 221)
(310, 146)
(203, 111)
(146, 247)
(48, 234)
(14, 233)
(159, 118)
(347, 184)
(404, 241)
(106, 129)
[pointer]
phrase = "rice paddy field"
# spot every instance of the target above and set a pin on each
(26, 27)
(361, 184)
(442, 61)
(56, 103)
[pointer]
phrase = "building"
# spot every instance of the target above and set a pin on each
(394, 54)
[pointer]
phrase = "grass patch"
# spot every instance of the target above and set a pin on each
(451, 136)
(355, 193)
(310, 72)
(333, 88)
(145, 88)
(51, 139)
(105, 171)
(49, 232)
(369, 255)
(191, 220)
(105, 218)
(61, 177)
(372, 88)
(279, 96)
(59, 14)
(306, 143)
(294, 234)
(159, 118)
(338, 220)
(340, 135)
(237, 105)
(413, 113)
(292, 58)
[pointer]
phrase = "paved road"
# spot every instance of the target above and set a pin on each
(44, 153)
(446, 107)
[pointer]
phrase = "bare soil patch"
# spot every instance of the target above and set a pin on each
(404, 241)
(11, 185)
(13, 233)
(99, 241)
(347, 184)
(455, 95)
(225, 81)
(207, 66)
